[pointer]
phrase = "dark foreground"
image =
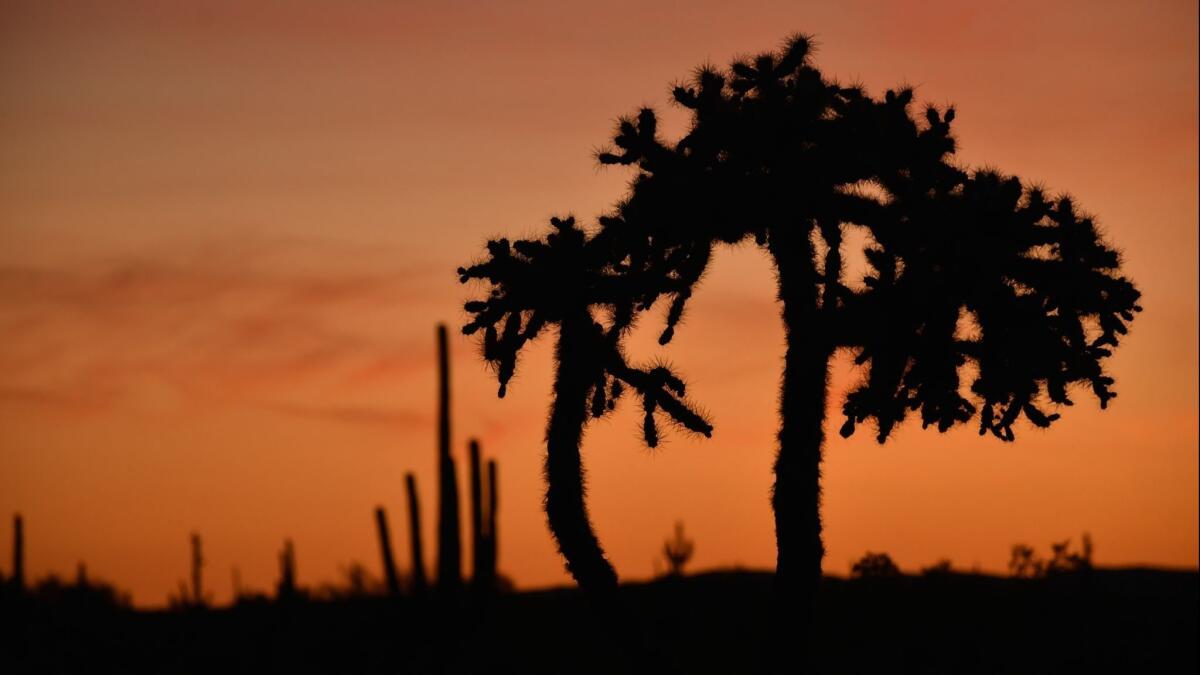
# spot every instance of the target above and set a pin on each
(1136, 621)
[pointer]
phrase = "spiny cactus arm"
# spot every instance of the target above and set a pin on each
(688, 275)
(1041, 286)
(660, 390)
(636, 142)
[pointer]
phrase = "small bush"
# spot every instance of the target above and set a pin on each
(874, 566)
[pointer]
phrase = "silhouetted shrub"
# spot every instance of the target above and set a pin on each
(85, 593)
(1024, 563)
(874, 566)
(939, 568)
(356, 582)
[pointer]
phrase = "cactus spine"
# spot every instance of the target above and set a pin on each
(385, 547)
(414, 529)
(449, 578)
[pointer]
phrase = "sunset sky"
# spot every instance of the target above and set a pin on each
(228, 229)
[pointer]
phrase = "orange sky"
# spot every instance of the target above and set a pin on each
(226, 233)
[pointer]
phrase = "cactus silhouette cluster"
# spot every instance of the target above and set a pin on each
(985, 297)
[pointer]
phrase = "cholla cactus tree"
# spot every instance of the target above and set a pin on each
(985, 299)
(965, 268)
(566, 279)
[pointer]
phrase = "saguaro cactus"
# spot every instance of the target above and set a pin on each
(385, 547)
(449, 534)
(18, 573)
(678, 551)
(414, 529)
(287, 571)
(197, 564)
(490, 523)
(479, 580)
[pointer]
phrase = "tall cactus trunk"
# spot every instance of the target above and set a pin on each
(197, 566)
(493, 547)
(385, 549)
(479, 576)
(449, 579)
(566, 508)
(18, 573)
(419, 584)
(796, 496)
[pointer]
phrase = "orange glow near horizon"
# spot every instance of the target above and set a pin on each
(227, 233)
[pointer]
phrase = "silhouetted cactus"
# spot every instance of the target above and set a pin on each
(286, 588)
(417, 575)
(491, 560)
(197, 566)
(677, 551)
(562, 279)
(479, 571)
(385, 549)
(18, 571)
(483, 521)
(449, 580)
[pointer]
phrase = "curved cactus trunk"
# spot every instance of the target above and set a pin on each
(566, 509)
(796, 496)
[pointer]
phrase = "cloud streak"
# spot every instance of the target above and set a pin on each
(215, 326)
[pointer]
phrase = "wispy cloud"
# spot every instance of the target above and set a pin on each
(213, 324)
(393, 418)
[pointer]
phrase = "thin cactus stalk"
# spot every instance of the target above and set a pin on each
(419, 584)
(385, 549)
(449, 579)
(18, 573)
(287, 571)
(197, 565)
(478, 535)
(492, 542)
